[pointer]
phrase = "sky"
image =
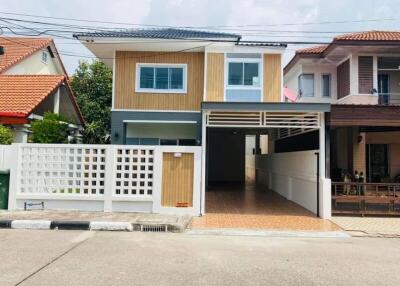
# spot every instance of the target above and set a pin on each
(267, 20)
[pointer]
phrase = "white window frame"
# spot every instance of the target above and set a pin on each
(299, 86)
(322, 85)
(44, 57)
(244, 61)
(155, 90)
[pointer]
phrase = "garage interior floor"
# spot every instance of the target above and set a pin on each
(253, 207)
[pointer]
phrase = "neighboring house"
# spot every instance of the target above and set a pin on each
(209, 89)
(359, 74)
(33, 81)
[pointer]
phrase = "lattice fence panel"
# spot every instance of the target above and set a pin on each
(134, 172)
(300, 120)
(62, 170)
(220, 118)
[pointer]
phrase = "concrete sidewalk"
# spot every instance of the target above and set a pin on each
(90, 220)
(369, 226)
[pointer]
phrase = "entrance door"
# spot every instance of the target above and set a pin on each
(377, 162)
(177, 180)
(383, 88)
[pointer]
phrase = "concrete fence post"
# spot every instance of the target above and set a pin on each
(13, 186)
(109, 178)
(325, 199)
(157, 178)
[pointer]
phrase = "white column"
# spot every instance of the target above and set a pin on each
(157, 177)
(324, 183)
(354, 74)
(322, 145)
(375, 72)
(109, 178)
(203, 163)
(13, 186)
(57, 101)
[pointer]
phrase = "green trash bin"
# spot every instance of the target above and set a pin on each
(4, 184)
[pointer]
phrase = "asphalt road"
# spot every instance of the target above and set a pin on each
(31, 257)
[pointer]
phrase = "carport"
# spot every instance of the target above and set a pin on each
(290, 176)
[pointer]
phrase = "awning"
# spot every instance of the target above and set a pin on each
(364, 115)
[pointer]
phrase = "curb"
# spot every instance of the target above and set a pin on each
(84, 225)
(268, 233)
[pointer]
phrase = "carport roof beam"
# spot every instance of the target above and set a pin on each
(266, 106)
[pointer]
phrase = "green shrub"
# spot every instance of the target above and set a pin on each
(6, 136)
(52, 129)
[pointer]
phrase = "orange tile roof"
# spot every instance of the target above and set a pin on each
(359, 36)
(16, 49)
(20, 94)
(370, 36)
(312, 50)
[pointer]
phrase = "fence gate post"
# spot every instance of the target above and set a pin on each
(109, 178)
(13, 185)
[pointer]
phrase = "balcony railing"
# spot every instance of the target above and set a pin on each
(389, 98)
(366, 198)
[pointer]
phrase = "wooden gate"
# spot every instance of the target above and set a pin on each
(177, 180)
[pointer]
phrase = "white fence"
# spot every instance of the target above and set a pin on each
(5, 157)
(95, 177)
(294, 176)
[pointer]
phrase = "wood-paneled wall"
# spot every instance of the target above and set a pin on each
(343, 79)
(125, 74)
(365, 74)
(215, 77)
(177, 180)
(272, 78)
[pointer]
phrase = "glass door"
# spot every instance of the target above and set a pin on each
(383, 88)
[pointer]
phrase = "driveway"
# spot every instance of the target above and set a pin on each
(122, 258)
(251, 207)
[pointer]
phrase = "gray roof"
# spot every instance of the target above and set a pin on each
(160, 33)
(260, 44)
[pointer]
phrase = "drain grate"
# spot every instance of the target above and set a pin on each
(153, 228)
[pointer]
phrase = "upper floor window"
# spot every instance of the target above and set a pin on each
(44, 57)
(161, 78)
(326, 85)
(243, 74)
(306, 85)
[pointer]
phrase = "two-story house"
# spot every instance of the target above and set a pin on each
(200, 88)
(359, 74)
(33, 81)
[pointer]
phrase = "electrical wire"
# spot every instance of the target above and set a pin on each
(204, 27)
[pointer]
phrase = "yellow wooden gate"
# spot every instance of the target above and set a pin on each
(177, 180)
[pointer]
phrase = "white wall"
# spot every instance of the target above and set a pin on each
(34, 65)
(294, 176)
(5, 157)
(291, 81)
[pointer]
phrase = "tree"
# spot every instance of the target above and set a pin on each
(92, 86)
(6, 136)
(52, 129)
